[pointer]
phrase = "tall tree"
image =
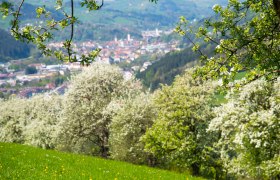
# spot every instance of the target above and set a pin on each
(178, 137)
(247, 38)
(249, 129)
(85, 121)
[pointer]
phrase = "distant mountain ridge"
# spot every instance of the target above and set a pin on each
(135, 15)
(144, 14)
(138, 13)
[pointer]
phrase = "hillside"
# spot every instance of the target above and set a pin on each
(124, 16)
(169, 66)
(24, 162)
(144, 14)
(141, 13)
(12, 49)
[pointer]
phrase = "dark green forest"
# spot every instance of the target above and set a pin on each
(172, 64)
(12, 49)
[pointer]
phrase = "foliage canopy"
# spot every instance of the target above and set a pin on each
(249, 129)
(129, 123)
(178, 136)
(247, 38)
(85, 122)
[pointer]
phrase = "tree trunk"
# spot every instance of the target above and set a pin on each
(195, 169)
(276, 4)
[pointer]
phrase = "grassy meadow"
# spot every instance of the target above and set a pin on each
(25, 162)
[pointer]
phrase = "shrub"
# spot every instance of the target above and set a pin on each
(13, 114)
(30, 70)
(129, 123)
(30, 121)
(44, 116)
(249, 130)
(178, 137)
(85, 122)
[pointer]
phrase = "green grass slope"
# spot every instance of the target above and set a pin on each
(25, 162)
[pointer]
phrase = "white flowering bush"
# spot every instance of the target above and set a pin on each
(178, 136)
(30, 121)
(13, 114)
(43, 118)
(130, 121)
(249, 127)
(85, 122)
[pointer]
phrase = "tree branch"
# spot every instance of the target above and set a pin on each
(17, 15)
(72, 31)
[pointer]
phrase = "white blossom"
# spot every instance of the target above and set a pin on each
(250, 122)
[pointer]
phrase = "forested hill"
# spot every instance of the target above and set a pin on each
(12, 49)
(117, 17)
(144, 14)
(140, 13)
(171, 65)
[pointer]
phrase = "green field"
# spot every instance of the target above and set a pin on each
(25, 162)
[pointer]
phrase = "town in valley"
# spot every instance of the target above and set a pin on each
(26, 80)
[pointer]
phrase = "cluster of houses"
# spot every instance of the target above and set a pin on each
(129, 49)
(115, 51)
(155, 33)
(43, 71)
(10, 81)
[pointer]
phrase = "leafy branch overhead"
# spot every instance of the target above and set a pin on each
(247, 38)
(40, 34)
